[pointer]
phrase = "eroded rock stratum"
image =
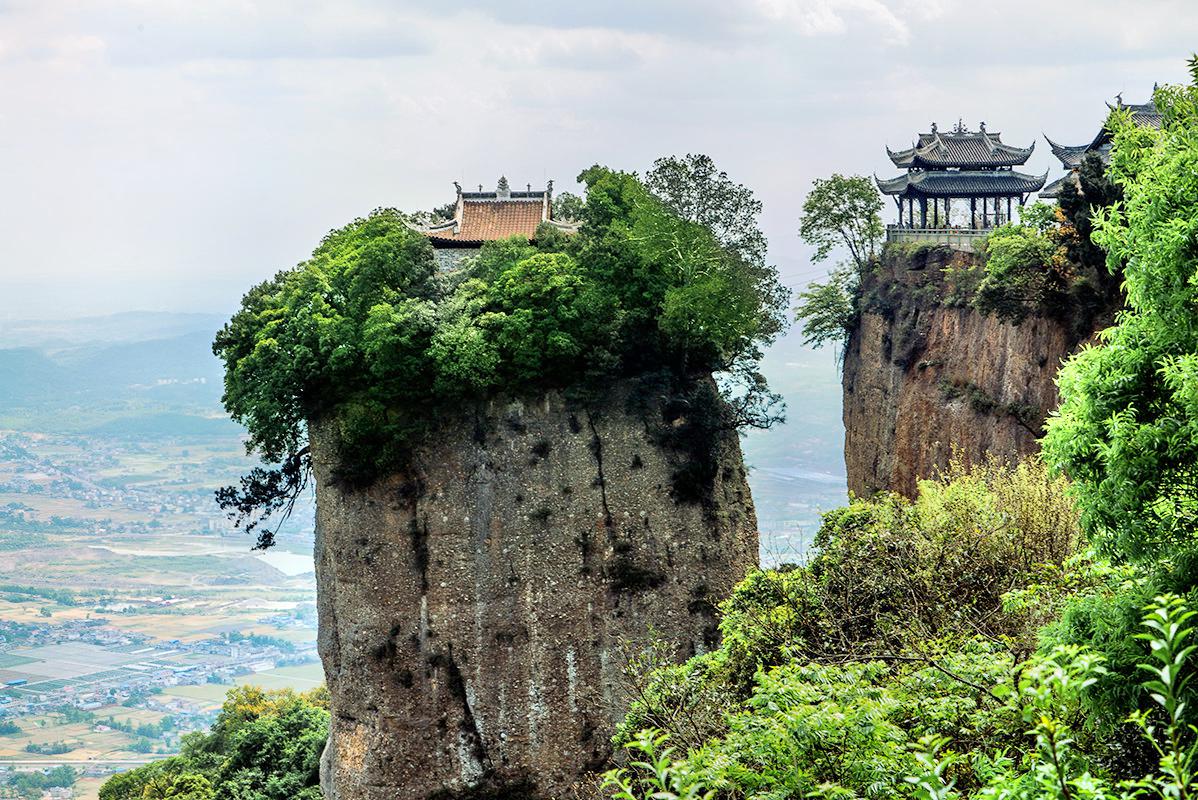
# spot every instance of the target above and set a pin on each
(477, 611)
(926, 377)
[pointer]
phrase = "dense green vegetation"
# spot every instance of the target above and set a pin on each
(368, 338)
(1010, 633)
(263, 746)
(1128, 427)
(901, 627)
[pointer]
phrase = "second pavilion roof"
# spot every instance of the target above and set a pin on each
(960, 149)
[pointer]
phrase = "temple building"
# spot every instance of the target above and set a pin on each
(958, 185)
(1071, 156)
(481, 217)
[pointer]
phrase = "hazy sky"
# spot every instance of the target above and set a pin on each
(167, 155)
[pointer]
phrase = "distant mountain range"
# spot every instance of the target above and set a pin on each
(130, 326)
(130, 373)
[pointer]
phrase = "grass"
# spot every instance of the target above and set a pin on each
(301, 678)
(8, 660)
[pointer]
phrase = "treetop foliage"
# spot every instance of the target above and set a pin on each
(264, 745)
(843, 212)
(367, 337)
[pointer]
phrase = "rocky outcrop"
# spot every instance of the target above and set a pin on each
(926, 376)
(476, 612)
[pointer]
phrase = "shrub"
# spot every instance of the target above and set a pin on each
(901, 626)
(1023, 274)
(264, 744)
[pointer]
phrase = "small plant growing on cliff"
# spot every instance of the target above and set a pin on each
(367, 342)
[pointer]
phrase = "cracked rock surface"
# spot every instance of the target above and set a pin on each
(476, 613)
(925, 380)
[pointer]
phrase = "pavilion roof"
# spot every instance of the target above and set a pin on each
(960, 148)
(963, 183)
(1054, 190)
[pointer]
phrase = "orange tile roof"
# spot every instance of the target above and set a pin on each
(486, 220)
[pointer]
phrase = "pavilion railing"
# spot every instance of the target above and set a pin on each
(963, 239)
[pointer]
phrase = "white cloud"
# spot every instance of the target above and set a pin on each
(830, 17)
(194, 148)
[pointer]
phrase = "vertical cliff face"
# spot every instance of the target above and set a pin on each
(476, 613)
(925, 375)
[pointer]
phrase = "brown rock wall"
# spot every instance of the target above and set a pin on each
(924, 378)
(475, 614)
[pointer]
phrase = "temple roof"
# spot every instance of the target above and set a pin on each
(965, 183)
(960, 148)
(1054, 190)
(486, 216)
(1145, 114)
(1070, 154)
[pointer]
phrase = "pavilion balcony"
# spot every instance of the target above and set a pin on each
(965, 240)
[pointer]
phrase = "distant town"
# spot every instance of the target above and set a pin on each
(129, 606)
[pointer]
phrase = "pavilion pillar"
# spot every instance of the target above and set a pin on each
(1008, 209)
(900, 207)
(948, 211)
(923, 212)
(973, 212)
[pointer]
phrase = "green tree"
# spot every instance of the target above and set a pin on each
(842, 211)
(1023, 273)
(545, 313)
(839, 211)
(696, 190)
(264, 745)
(1127, 428)
(188, 786)
(567, 207)
(828, 310)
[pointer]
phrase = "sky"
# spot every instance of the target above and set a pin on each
(165, 155)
